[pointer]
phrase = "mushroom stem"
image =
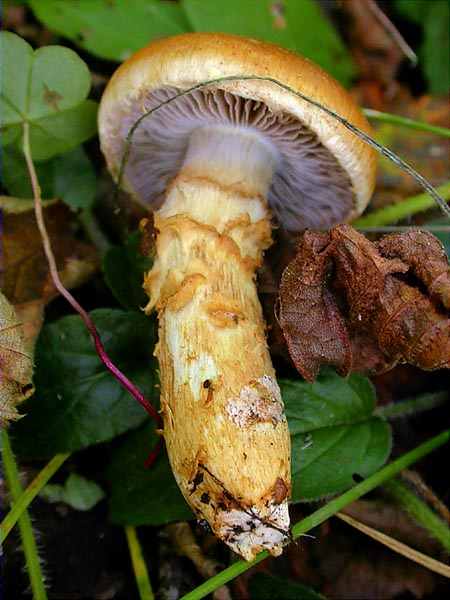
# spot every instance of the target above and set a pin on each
(224, 425)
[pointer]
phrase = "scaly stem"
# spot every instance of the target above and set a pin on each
(29, 494)
(420, 512)
(325, 512)
(25, 527)
(401, 210)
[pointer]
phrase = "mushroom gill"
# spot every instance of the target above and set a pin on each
(309, 187)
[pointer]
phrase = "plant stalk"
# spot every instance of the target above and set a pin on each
(25, 527)
(412, 406)
(401, 210)
(383, 117)
(21, 503)
(139, 566)
(419, 511)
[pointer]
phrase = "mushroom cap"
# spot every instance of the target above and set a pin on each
(169, 65)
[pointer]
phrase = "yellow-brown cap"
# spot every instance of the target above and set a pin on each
(183, 61)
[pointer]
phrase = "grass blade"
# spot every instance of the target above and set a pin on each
(25, 527)
(24, 500)
(383, 117)
(139, 566)
(401, 210)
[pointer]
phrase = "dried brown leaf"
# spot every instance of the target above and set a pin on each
(16, 367)
(386, 312)
(26, 275)
(309, 317)
(425, 257)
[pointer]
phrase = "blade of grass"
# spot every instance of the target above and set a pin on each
(25, 499)
(419, 510)
(401, 210)
(25, 527)
(325, 512)
(405, 122)
(139, 566)
(399, 547)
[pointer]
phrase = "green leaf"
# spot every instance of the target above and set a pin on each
(112, 29)
(263, 586)
(299, 26)
(70, 177)
(74, 179)
(334, 433)
(77, 492)
(77, 402)
(141, 495)
(46, 88)
(434, 53)
(124, 268)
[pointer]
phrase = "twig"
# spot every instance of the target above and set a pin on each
(392, 31)
(25, 527)
(121, 377)
(396, 546)
(21, 503)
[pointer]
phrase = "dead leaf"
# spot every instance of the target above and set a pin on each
(26, 280)
(309, 317)
(425, 257)
(16, 366)
(26, 275)
(388, 299)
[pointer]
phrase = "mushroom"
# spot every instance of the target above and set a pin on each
(215, 165)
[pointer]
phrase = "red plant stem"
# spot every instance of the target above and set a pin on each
(115, 371)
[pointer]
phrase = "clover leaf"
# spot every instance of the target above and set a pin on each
(47, 89)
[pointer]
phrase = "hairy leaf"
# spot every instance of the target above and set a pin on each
(77, 402)
(299, 26)
(46, 88)
(111, 29)
(16, 366)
